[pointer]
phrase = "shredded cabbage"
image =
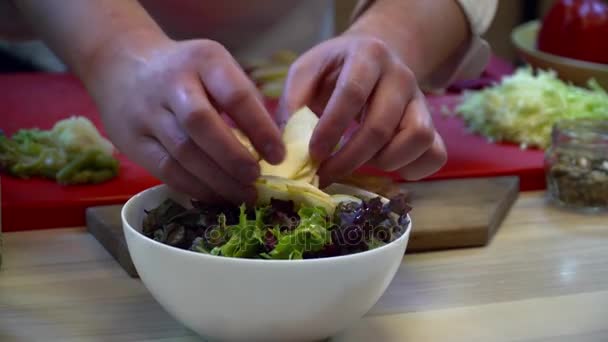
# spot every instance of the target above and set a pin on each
(73, 152)
(78, 133)
(524, 106)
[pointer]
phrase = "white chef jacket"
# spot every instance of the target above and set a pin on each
(248, 29)
(251, 29)
(473, 57)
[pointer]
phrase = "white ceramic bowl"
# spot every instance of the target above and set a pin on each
(230, 299)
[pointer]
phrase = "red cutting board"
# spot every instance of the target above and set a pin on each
(470, 155)
(39, 100)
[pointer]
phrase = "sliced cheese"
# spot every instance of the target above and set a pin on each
(301, 193)
(296, 136)
(339, 198)
(307, 171)
(295, 159)
(315, 181)
(296, 177)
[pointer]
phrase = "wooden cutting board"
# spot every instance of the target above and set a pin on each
(447, 214)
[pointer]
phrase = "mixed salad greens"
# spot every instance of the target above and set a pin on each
(73, 152)
(279, 230)
(525, 106)
(292, 217)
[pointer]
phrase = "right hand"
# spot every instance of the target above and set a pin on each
(160, 103)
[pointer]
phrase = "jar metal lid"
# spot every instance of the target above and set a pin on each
(583, 131)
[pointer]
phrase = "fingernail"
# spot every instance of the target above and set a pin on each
(249, 173)
(274, 153)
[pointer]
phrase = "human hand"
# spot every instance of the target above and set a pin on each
(161, 102)
(357, 77)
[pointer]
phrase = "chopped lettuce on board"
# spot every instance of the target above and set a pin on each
(73, 152)
(524, 106)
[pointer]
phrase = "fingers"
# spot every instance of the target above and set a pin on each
(354, 86)
(430, 162)
(209, 131)
(235, 94)
(415, 137)
(194, 160)
(417, 151)
(301, 83)
(381, 121)
(151, 155)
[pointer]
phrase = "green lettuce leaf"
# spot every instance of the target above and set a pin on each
(245, 237)
(311, 235)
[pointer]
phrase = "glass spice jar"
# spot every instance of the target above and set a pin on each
(576, 165)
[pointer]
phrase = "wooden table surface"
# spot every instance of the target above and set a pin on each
(543, 278)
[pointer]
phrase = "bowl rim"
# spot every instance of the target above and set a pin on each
(340, 258)
(535, 25)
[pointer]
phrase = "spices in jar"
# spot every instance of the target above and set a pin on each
(576, 164)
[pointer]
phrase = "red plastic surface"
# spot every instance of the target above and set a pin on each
(470, 155)
(39, 100)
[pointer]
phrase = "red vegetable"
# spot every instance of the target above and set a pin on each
(576, 29)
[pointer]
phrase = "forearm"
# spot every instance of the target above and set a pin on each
(79, 31)
(424, 33)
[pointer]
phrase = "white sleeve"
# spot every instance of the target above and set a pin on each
(480, 14)
(472, 58)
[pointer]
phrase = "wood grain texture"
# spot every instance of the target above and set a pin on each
(105, 224)
(447, 214)
(459, 213)
(544, 277)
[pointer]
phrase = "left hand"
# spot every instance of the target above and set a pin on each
(356, 77)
